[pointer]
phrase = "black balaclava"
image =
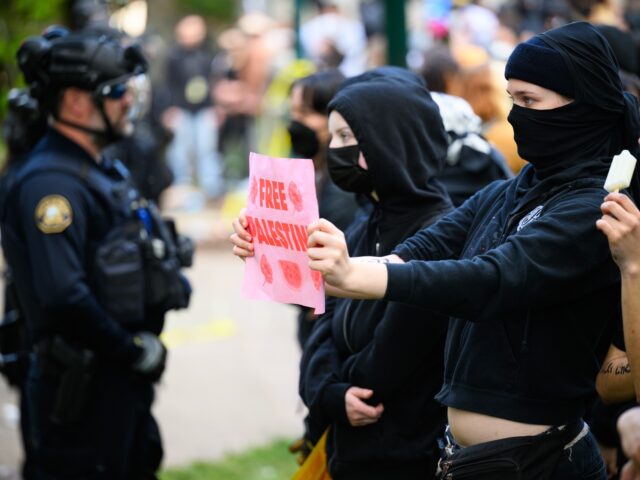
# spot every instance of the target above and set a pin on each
(579, 139)
(400, 133)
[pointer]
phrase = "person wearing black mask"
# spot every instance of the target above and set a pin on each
(370, 369)
(308, 100)
(520, 268)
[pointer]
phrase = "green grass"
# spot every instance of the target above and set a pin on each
(270, 462)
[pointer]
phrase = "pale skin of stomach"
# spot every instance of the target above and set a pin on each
(470, 428)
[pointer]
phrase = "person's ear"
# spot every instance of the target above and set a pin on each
(76, 103)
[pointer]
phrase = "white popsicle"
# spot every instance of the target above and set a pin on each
(620, 172)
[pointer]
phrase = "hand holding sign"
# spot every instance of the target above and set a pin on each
(328, 252)
(282, 203)
(241, 238)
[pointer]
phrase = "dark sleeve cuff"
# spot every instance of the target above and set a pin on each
(399, 286)
(403, 251)
(333, 404)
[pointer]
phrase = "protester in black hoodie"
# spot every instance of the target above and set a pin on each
(308, 98)
(370, 369)
(368, 354)
(520, 267)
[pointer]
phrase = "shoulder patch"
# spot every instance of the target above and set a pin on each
(53, 214)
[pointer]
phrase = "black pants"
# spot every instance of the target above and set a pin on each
(116, 439)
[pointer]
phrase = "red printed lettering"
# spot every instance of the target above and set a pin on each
(272, 231)
(269, 194)
(278, 234)
(282, 196)
(301, 232)
(272, 194)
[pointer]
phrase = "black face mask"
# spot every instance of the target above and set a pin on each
(553, 139)
(345, 171)
(304, 141)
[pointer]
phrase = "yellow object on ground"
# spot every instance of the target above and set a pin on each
(315, 466)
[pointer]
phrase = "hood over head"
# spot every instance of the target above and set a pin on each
(400, 133)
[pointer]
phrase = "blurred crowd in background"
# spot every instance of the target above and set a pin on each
(218, 94)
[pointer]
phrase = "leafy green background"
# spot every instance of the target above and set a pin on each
(22, 18)
(18, 20)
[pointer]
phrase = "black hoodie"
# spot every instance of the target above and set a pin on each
(384, 346)
(522, 269)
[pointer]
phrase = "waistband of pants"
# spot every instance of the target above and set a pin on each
(584, 431)
(577, 429)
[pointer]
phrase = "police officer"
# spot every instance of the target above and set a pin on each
(95, 268)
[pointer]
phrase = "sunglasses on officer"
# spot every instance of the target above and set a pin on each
(115, 91)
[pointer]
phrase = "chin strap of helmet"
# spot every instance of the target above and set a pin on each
(109, 134)
(106, 136)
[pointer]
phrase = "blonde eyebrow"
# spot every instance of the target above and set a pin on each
(521, 92)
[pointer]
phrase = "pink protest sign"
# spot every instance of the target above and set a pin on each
(282, 203)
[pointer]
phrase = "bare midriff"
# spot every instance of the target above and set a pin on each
(470, 428)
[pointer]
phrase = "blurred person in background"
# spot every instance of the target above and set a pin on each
(473, 24)
(476, 83)
(472, 162)
(468, 75)
(529, 17)
(627, 53)
(605, 12)
(190, 116)
(241, 73)
(332, 40)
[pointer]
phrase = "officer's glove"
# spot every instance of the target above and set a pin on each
(151, 362)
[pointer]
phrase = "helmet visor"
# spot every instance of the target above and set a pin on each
(137, 86)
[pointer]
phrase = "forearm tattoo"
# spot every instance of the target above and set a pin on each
(612, 369)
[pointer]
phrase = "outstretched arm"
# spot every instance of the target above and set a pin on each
(358, 277)
(550, 260)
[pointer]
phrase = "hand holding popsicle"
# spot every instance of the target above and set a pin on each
(620, 221)
(620, 172)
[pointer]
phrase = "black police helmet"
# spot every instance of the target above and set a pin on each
(83, 60)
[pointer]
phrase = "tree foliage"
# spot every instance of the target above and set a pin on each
(223, 11)
(18, 20)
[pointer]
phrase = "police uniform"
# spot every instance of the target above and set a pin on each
(89, 413)
(94, 268)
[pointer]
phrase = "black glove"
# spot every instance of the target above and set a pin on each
(151, 362)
